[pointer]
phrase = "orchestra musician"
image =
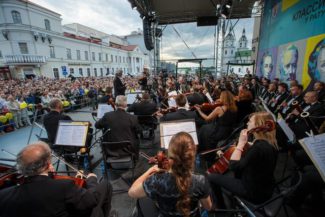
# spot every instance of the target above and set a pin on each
(181, 113)
(279, 97)
(143, 81)
(197, 97)
(296, 94)
(222, 120)
(176, 191)
(319, 87)
(122, 127)
(51, 121)
(314, 108)
(40, 195)
(253, 169)
(119, 86)
(108, 95)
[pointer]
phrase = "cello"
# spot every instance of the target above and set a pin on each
(222, 164)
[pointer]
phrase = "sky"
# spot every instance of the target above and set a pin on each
(117, 17)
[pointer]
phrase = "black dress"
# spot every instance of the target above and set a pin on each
(254, 174)
(210, 134)
(162, 189)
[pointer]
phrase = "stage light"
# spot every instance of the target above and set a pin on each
(224, 12)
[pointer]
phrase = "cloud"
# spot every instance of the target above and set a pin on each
(109, 16)
(117, 17)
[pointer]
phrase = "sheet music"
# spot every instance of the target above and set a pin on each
(102, 109)
(315, 148)
(131, 97)
(209, 97)
(268, 110)
(168, 129)
(72, 134)
(286, 129)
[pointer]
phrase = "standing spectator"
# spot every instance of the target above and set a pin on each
(13, 107)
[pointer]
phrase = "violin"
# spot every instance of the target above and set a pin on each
(111, 102)
(222, 164)
(209, 107)
(9, 176)
(77, 181)
(160, 159)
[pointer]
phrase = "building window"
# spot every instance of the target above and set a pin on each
(0, 54)
(86, 55)
(101, 72)
(16, 16)
(95, 72)
(232, 51)
(93, 56)
(107, 71)
(99, 57)
(137, 60)
(116, 59)
(78, 54)
(106, 57)
(68, 54)
(225, 52)
(123, 59)
(71, 70)
(112, 70)
(240, 44)
(112, 58)
(81, 72)
(120, 59)
(88, 72)
(56, 73)
(47, 24)
(52, 52)
(23, 48)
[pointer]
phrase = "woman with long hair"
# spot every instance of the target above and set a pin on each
(222, 120)
(176, 192)
(253, 170)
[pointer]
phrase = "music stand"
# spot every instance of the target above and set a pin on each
(102, 109)
(132, 97)
(169, 128)
(70, 137)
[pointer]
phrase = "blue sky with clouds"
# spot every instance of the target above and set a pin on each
(117, 17)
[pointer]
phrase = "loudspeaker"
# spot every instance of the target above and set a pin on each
(147, 34)
(207, 21)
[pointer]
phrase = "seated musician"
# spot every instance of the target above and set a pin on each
(176, 190)
(144, 110)
(279, 97)
(51, 120)
(244, 94)
(271, 91)
(143, 81)
(197, 97)
(319, 87)
(253, 168)
(314, 108)
(40, 195)
(108, 95)
(295, 95)
(222, 120)
(122, 125)
(244, 101)
(181, 113)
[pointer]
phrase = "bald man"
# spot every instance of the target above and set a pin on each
(40, 195)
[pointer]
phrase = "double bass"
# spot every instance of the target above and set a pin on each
(222, 164)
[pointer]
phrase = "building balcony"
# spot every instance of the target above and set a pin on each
(24, 59)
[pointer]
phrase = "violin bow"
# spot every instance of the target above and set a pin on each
(70, 166)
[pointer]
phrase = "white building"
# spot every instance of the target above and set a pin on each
(33, 41)
(237, 57)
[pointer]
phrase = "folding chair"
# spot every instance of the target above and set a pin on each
(118, 157)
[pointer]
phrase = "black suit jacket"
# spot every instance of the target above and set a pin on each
(51, 123)
(196, 99)
(299, 126)
(41, 196)
(143, 108)
(119, 88)
(123, 126)
(182, 114)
